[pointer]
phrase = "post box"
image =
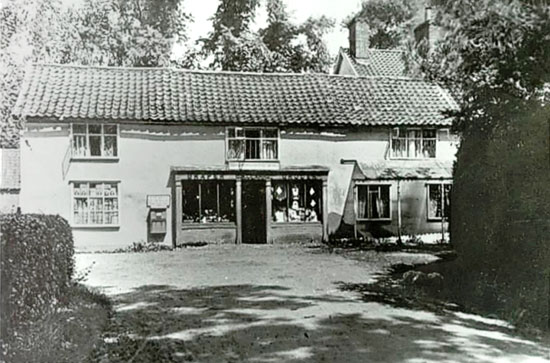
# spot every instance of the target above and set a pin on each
(157, 221)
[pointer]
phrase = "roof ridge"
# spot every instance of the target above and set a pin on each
(196, 71)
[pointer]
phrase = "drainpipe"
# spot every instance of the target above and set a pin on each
(399, 241)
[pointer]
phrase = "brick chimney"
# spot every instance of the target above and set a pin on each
(428, 30)
(359, 33)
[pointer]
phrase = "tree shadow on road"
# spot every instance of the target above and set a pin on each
(269, 324)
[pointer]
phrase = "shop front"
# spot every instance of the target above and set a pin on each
(218, 205)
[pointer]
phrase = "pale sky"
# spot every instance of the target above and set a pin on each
(300, 10)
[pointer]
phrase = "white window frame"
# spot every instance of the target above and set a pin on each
(442, 184)
(406, 130)
(373, 184)
(261, 138)
(89, 225)
(87, 135)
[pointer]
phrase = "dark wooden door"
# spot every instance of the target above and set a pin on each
(253, 213)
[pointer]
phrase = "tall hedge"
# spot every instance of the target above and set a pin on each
(501, 216)
(37, 264)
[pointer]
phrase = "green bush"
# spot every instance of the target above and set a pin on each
(37, 266)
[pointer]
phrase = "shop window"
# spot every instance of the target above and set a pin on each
(95, 204)
(439, 201)
(413, 143)
(208, 201)
(252, 143)
(94, 141)
(373, 202)
(297, 201)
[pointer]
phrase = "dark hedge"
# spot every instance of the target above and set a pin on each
(37, 264)
(501, 217)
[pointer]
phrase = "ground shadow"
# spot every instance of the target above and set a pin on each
(267, 324)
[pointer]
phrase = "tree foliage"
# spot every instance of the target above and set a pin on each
(280, 46)
(496, 56)
(94, 32)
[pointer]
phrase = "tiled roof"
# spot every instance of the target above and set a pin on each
(406, 169)
(170, 95)
(379, 62)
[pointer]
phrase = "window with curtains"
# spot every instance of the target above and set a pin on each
(409, 143)
(95, 204)
(94, 141)
(439, 201)
(209, 201)
(252, 143)
(297, 201)
(373, 202)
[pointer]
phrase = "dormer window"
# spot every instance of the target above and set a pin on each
(412, 143)
(252, 143)
(94, 141)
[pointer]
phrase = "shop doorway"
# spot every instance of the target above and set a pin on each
(253, 211)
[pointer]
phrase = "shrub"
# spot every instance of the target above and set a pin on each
(37, 265)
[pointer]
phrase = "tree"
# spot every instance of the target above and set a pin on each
(102, 32)
(127, 33)
(281, 46)
(496, 55)
(30, 31)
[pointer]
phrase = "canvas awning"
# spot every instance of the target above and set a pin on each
(403, 169)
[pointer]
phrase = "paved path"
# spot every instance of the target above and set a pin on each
(273, 303)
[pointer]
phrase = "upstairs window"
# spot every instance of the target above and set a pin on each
(252, 143)
(373, 202)
(439, 201)
(413, 143)
(94, 141)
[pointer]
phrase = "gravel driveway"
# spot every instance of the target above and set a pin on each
(279, 303)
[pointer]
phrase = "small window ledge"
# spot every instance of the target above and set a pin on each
(92, 159)
(373, 219)
(210, 225)
(96, 226)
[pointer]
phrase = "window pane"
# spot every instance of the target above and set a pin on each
(434, 202)
(209, 202)
(428, 148)
(399, 148)
(384, 202)
(362, 201)
(96, 211)
(95, 145)
(80, 209)
(190, 200)
(252, 150)
(110, 129)
(80, 147)
(227, 201)
(313, 202)
(279, 201)
(428, 134)
(236, 150)
(79, 129)
(447, 201)
(269, 149)
(296, 210)
(231, 132)
(270, 133)
(239, 132)
(252, 133)
(110, 146)
(94, 129)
